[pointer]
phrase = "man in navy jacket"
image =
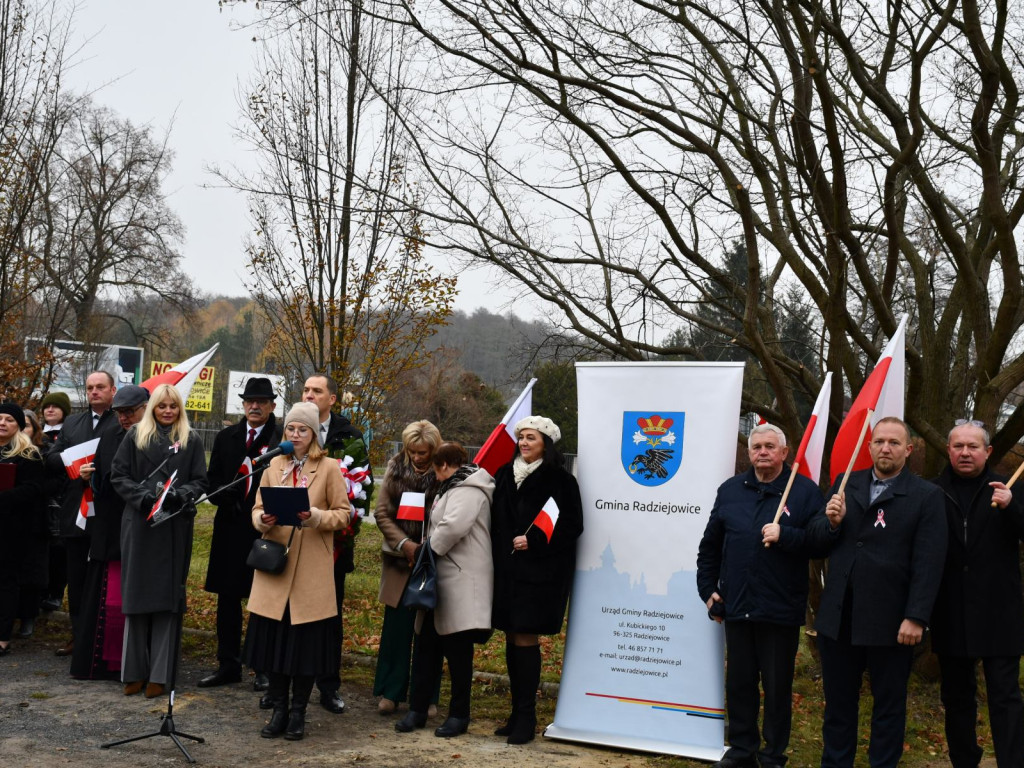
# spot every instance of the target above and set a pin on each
(888, 545)
(979, 613)
(752, 572)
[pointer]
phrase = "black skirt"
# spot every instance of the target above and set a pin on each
(291, 649)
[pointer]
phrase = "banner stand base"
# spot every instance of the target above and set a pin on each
(623, 741)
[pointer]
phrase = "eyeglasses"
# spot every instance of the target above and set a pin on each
(971, 422)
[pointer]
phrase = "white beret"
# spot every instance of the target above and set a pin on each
(541, 424)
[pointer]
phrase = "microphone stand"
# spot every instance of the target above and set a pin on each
(167, 727)
(163, 517)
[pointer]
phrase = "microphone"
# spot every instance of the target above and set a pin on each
(284, 447)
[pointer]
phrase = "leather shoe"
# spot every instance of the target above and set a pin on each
(732, 762)
(221, 677)
(153, 690)
(411, 722)
(50, 604)
(130, 689)
(332, 702)
(260, 682)
(266, 702)
(453, 726)
(66, 649)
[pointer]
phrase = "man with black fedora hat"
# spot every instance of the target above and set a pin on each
(227, 574)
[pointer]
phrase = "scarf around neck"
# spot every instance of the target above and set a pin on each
(521, 470)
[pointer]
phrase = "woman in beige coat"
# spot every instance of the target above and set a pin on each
(459, 534)
(291, 632)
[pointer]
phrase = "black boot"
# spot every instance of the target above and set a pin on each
(528, 671)
(278, 695)
(278, 720)
(301, 688)
(513, 686)
(296, 724)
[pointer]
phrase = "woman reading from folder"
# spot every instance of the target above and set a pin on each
(291, 633)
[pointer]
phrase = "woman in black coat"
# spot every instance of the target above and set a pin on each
(21, 511)
(533, 567)
(154, 560)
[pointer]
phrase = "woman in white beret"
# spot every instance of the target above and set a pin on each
(534, 561)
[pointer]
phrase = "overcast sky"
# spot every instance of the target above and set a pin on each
(176, 65)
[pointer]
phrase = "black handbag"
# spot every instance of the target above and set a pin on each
(421, 591)
(269, 556)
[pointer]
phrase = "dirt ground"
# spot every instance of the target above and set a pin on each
(48, 719)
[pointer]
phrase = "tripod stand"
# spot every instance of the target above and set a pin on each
(167, 727)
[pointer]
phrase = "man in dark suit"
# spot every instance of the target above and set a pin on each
(99, 421)
(340, 439)
(227, 574)
(979, 614)
(888, 544)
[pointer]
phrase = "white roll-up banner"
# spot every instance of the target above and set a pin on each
(643, 666)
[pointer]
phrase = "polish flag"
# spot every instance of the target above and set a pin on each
(882, 394)
(183, 375)
(411, 506)
(547, 517)
(246, 471)
(812, 446)
(73, 458)
(163, 495)
(500, 447)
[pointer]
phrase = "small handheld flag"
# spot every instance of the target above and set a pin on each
(246, 471)
(163, 495)
(411, 506)
(547, 517)
(73, 458)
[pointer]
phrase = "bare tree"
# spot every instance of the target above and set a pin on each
(33, 41)
(102, 228)
(349, 296)
(865, 154)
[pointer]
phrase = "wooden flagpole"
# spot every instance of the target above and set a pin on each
(856, 451)
(785, 496)
(1012, 480)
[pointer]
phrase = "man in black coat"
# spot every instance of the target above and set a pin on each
(752, 572)
(888, 545)
(979, 613)
(338, 437)
(99, 421)
(227, 574)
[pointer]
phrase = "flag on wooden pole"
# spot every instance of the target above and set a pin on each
(183, 375)
(880, 397)
(812, 447)
(500, 447)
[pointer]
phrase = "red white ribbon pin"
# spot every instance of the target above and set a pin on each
(880, 520)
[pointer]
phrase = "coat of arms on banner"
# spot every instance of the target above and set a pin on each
(652, 445)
